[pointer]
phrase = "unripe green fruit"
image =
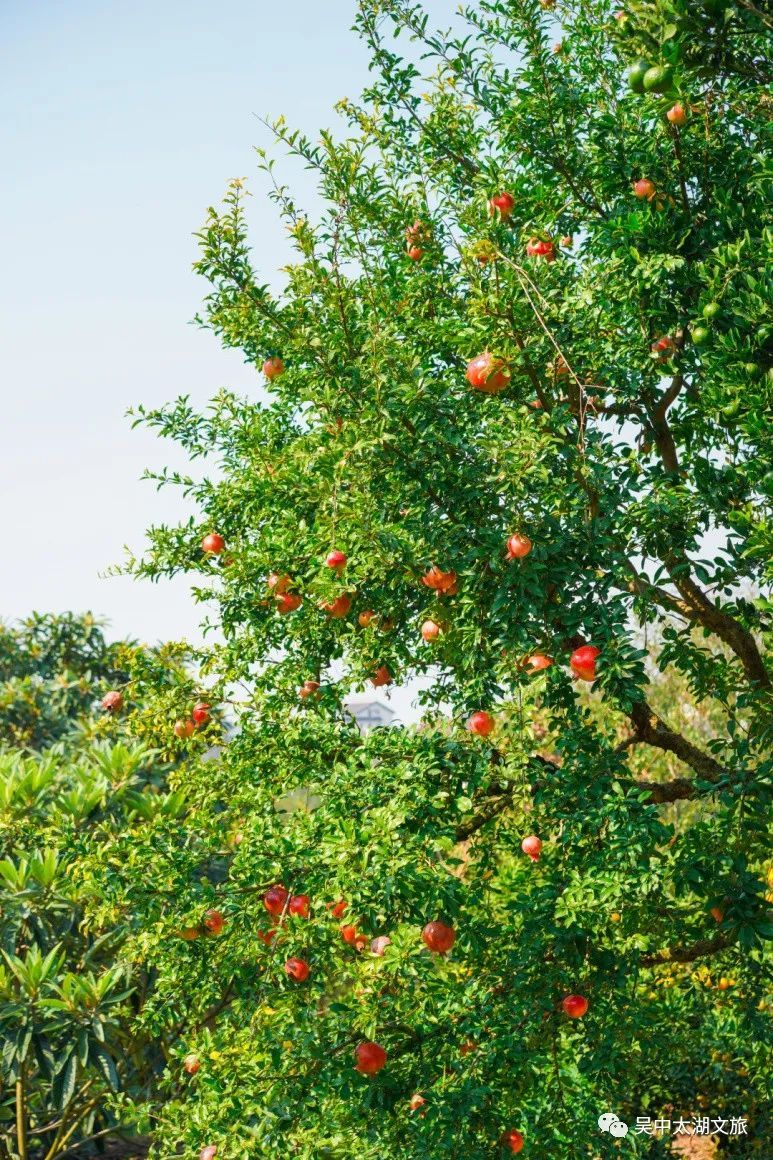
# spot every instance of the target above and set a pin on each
(711, 310)
(751, 368)
(636, 75)
(700, 334)
(658, 79)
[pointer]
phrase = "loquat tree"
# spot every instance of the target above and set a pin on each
(512, 441)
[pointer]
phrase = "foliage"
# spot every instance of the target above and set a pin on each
(68, 994)
(640, 471)
(53, 668)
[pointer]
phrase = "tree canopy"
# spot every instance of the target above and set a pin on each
(513, 439)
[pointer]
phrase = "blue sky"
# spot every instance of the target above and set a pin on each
(122, 123)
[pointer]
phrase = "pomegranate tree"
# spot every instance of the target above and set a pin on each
(512, 497)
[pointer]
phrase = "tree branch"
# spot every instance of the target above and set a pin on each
(652, 730)
(496, 806)
(726, 627)
(678, 954)
(678, 789)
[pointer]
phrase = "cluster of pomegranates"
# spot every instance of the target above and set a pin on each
(582, 662)
(112, 702)
(369, 1057)
(437, 935)
(186, 726)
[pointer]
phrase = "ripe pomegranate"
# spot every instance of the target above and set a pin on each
(336, 559)
(644, 188)
(503, 204)
(537, 662)
(299, 904)
(677, 114)
(574, 1006)
(438, 937)
(349, 934)
(370, 1058)
(365, 617)
(214, 921)
(189, 933)
(278, 584)
(582, 662)
(379, 945)
(717, 913)
(191, 1063)
(213, 544)
(274, 899)
(663, 348)
(567, 241)
(540, 248)
(481, 723)
(416, 1101)
(297, 970)
(208, 1153)
(183, 729)
(339, 607)
(360, 943)
(287, 602)
(518, 546)
(415, 253)
(273, 367)
(513, 1140)
(430, 630)
(200, 712)
(532, 846)
(444, 582)
(382, 676)
(308, 689)
(415, 233)
(488, 373)
(338, 909)
(112, 701)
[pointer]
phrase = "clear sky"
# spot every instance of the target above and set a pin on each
(122, 121)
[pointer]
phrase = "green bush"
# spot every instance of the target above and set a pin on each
(53, 670)
(68, 994)
(73, 777)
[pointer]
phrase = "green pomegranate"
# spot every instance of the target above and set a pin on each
(658, 79)
(636, 74)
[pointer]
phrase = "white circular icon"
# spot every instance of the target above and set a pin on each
(618, 1128)
(606, 1121)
